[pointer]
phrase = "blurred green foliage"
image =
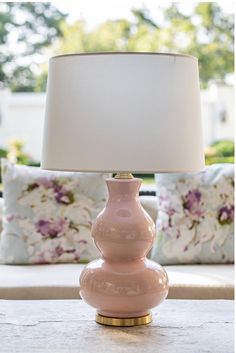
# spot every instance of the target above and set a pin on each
(26, 28)
(15, 152)
(220, 152)
(3, 153)
(206, 32)
(223, 148)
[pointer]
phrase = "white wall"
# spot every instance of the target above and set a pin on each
(218, 113)
(22, 115)
(22, 118)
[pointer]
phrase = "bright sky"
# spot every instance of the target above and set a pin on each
(95, 12)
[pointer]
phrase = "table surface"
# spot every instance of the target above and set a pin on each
(67, 326)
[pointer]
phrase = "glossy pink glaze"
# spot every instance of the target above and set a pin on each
(124, 283)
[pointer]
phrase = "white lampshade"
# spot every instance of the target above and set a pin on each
(123, 112)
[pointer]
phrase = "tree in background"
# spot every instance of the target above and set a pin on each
(25, 29)
(109, 36)
(29, 29)
(206, 32)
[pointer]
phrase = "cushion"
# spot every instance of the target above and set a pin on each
(61, 281)
(201, 281)
(195, 222)
(47, 215)
(149, 203)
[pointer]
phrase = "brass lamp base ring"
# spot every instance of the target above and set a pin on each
(118, 321)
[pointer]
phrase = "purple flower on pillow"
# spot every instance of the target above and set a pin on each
(62, 195)
(226, 215)
(10, 218)
(192, 203)
(170, 212)
(50, 228)
(60, 251)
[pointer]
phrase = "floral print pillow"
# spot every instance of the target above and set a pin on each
(47, 215)
(195, 222)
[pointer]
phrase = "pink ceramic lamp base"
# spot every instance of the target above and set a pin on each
(123, 285)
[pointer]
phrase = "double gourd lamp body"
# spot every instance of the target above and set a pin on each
(123, 113)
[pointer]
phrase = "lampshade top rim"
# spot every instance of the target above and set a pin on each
(124, 53)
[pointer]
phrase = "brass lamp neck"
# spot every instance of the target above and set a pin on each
(123, 176)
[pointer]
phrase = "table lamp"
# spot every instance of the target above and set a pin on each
(123, 113)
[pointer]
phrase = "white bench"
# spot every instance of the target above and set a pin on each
(62, 281)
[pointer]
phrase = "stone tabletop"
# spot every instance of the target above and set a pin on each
(67, 326)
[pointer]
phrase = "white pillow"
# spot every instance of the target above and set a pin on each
(195, 222)
(48, 215)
